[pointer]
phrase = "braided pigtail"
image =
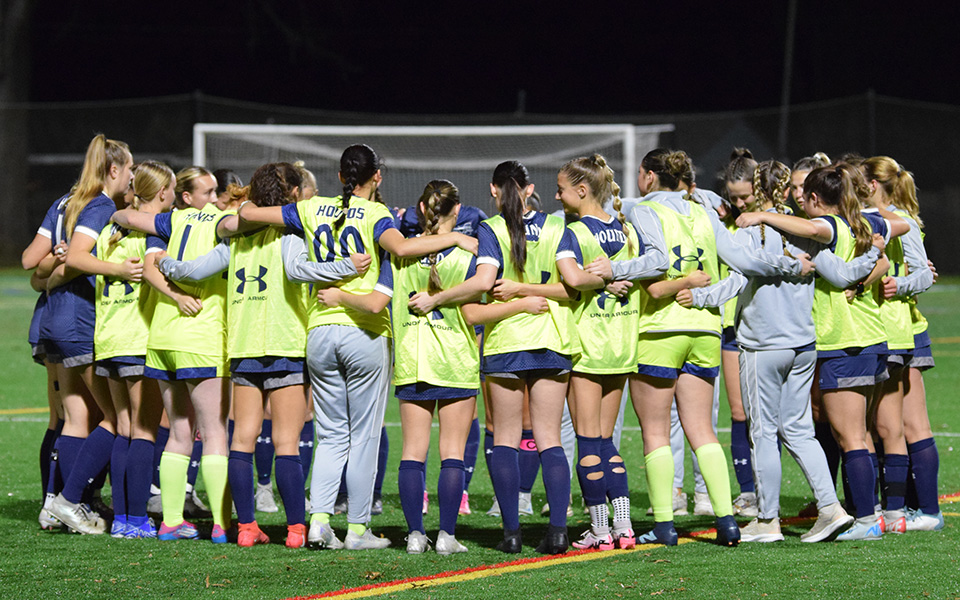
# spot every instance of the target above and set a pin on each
(358, 164)
(438, 200)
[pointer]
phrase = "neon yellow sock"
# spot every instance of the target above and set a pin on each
(213, 468)
(357, 528)
(659, 467)
(716, 474)
(323, 518)
(173, 486)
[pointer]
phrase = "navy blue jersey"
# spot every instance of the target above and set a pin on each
(609, 234)
(468, 221)
(69, 314)
(489, 251)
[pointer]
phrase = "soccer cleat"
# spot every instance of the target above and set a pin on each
(193, 507)
(511, 542)
(702, 505)
(894, 521)
(831, 522)
(864, 528)
(464, 507)
(761, 530)
(264, 499)
(145, 530)
(555, 541)
(426, 501)
(745, 505)
(494, 509)
(183, 531)
(219, 536)
(590, 540)
(47, 520)
(322, 536)
(417, 542)
(917, 520)
(77, 517)
(367, 541)
(118, 529)
(662, 533)
(679, 504)
(728, 533)
(376, 507)
(100, 508)
(625, 538)
(296, 536)
(249, 534)
(447, 544)
(526, 504)
(340, 506)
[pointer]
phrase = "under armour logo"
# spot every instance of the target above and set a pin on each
(110, 283)
(245, 279)
(741, 461)
(303, 444)
(602, 299)
(264, 440)
(681, 258)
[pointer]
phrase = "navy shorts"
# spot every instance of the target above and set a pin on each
(728, 340)
(70, 354)
(119, 367)
(425, 392)
(922, 358)
(268, 372)
(853, 370)
(526, 364)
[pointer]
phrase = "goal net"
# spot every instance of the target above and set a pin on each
(415, 155)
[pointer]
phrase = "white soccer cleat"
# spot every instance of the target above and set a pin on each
(417, 542)
(367, 541)
(447, 544)
(264, 499)
(321, 535)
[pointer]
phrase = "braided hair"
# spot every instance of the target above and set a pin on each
(598, 176)
(358, 164)
(771, 181)
(437, 201)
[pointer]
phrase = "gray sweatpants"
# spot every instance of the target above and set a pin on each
(350, 372)
(775, 385)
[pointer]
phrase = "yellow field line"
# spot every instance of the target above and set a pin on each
(478, 573)
(945, 340)
(23, 411)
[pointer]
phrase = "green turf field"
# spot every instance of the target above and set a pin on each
(37, 564)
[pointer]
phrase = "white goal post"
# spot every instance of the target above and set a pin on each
(413, 155)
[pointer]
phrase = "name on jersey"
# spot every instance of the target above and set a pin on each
(200, 217)
(533, 231)
(606, 236)
(333, 212)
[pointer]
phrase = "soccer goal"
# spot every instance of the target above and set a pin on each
(414, 155)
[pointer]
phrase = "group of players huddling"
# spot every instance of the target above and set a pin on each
(159, 289)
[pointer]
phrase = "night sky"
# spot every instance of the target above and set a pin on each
(473, 57)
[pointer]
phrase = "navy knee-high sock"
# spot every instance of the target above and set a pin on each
(925, 469)
(306, 447)
(382, 456)
(342, 492)
(93, 457)
(487, 448)
(118, 474)
(194, 467)
(68, 449)
(54, 478)
(230, 427)
(240, 475)
(138, 477)
(860, 474)
(94, 488)
(591, 478)
(505, 474)
(831, 450)
(449, 492)
(556, 481)
(163, 434)
(740, 451)
(290, 485)
(529, 459)
(46, 447)
(470, 451)
(895, 469)
(263, 453)
(410, 484)
(615, 472)
(877, 478)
